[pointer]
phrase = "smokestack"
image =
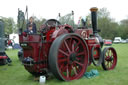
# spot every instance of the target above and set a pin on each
(94, 19)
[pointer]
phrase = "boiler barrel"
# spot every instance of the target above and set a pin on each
(2, 40)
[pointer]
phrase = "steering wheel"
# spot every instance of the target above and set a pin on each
(50, 23)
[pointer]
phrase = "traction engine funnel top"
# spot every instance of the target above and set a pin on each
(94, 9)
(94, 19)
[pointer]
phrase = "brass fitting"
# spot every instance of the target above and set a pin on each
(94, 9)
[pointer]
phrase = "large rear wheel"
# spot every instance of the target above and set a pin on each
(68, 57)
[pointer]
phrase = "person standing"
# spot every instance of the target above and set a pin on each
(83, 21)
(31, 26)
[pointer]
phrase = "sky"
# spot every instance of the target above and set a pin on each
(50, 8)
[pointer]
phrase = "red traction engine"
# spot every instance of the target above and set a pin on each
(65, 52)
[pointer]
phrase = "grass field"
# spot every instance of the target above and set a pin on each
(17, 75)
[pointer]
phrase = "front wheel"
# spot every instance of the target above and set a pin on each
(109, 58)
(68, 57)
(96, 55)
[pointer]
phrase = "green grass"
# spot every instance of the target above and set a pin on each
(17, 75)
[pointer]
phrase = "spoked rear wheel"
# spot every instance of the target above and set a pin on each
(109, 58)
(68, 57)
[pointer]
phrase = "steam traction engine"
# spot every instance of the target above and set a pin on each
(64, 51)
(3, 56)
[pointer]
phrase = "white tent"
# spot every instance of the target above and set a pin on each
(14, 38)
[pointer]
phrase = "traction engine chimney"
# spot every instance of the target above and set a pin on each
(94, 19)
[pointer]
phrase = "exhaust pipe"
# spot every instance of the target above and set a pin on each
(94, 19)
(94, 25)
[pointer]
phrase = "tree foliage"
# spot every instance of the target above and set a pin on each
(9, 25)
(38, 21)
(106, 24)
(123, 28)
(109, 28)
(67, 19)
(103, 13)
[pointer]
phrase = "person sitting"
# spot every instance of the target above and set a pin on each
(31, 26)
(29, 30)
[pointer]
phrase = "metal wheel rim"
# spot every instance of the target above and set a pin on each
(65, 68)
(110, 58)
(99, 61)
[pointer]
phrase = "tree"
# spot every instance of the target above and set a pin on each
(103, 13)
(67, 19)
(38, 22)
(123, 28)
(9, 25)
(107, 25)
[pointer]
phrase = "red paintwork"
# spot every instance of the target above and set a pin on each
(32, 50)
(9, 42)
(34, 44)
(3, 57)
(68, 48)
(84, 33)
(107, 42)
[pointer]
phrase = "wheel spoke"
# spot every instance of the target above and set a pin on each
(76, 67)
(67, 71)
(81, 53)
(75, 47)
(62, 66)
(78, 63)
(109, 52)
(67, 46)
(74, 70)
(107, 64)
(78, 58)
(63, 69)
(110, 64)
(61, 51)
(63, 47)
(70, 43)
(62, 60)
(70, 70)
(106, 54)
